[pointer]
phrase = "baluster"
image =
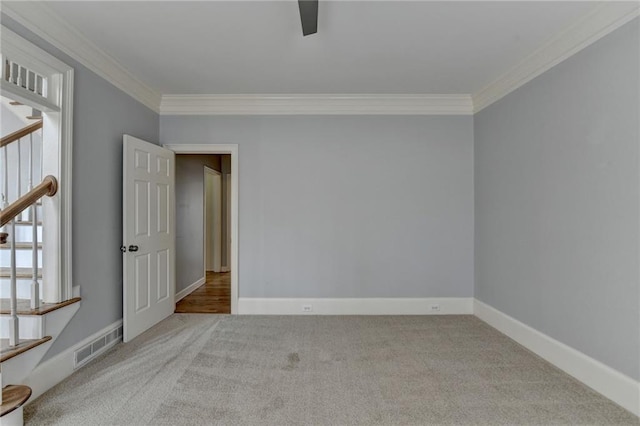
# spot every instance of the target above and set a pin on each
(39, 85)
(5, 178)
(30, 163)
(19, 167)
(20, 79)
(41, 176)
(4, 198)
(5, 182)
(12, 73)
(13, 317)
(35, 285)
(14, 337)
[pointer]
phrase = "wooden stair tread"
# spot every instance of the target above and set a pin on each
(13, 397)
(20, 273)
(24, 306)
(7, 352)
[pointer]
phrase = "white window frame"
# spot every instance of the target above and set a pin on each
(57, 112)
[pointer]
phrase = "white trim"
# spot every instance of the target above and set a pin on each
(222, 149)
(42, 21)
(225, 269)
(28, 54)
(38, 18)
(53, 371)
(616, 386)
(190, 289)
(26, 97)
(601, 21)
(58, 144)
(316, 104)
(357, 306)
(14, 418)
(66, 188)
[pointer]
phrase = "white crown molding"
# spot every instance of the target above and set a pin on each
(316, 104)
(42, 21)
(601, 21)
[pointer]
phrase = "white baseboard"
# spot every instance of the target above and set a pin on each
(614, 385)
(225, 269)
(192, 287)
(357, 306)
(53, 371)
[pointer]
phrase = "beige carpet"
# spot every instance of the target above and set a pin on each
(322, 370)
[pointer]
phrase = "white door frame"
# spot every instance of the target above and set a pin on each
(216, 264)
(231, 149)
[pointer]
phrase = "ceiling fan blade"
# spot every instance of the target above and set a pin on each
(309, 16)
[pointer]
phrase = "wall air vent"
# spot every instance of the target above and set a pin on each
(91, 350)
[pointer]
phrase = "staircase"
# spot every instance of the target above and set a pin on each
(28, 326)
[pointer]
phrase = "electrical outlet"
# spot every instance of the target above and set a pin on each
(435, 307)
(307, 308)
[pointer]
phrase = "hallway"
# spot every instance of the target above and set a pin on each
(213, 297)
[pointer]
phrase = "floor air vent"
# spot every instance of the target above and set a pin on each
(98, 346)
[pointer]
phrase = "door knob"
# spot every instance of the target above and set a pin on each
(133, 248)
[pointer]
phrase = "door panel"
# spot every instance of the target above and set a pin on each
(148, 235)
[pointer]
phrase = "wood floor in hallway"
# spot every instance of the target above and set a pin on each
(213, 297)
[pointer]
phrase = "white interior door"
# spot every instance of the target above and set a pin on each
(148, 235)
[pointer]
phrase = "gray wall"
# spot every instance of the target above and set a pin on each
(557, 202)
(190, 216)
(102, 114)
(348, 206)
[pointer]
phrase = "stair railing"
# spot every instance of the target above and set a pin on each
(48, 187)
(19, 134)
(8, 214)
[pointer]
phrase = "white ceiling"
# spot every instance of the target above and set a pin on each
(221, 47)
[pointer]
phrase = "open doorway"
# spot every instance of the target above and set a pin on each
(203, 269)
